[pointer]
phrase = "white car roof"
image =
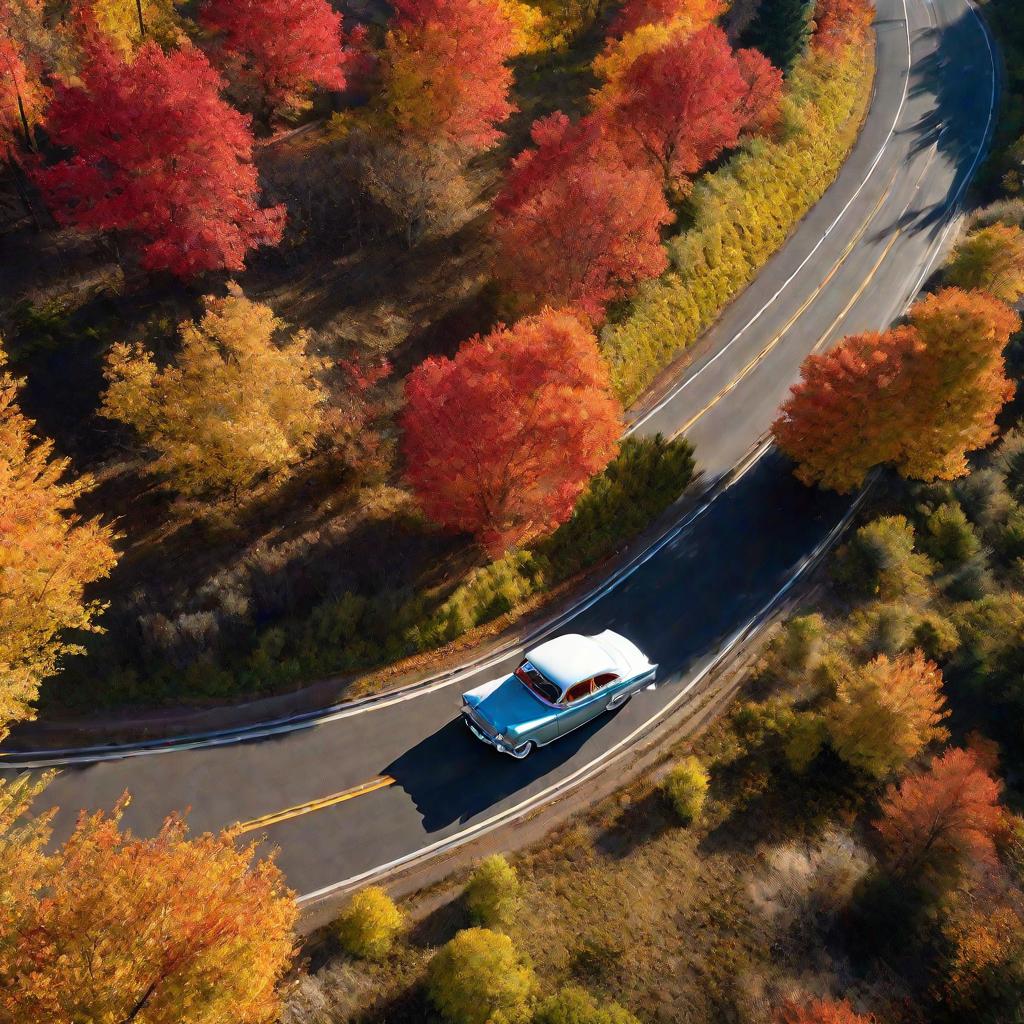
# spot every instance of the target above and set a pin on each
(568, 659)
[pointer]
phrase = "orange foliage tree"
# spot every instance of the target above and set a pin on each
(24, 863)
(841, 23)
(886, 712)
(575, 225)
(22, 98)
(678, 106)
(637, 13)
(444, 69)
(48, 556)
(984, 974)
(820, 1011)
(917, 397)
(959, 382)
(501, 440)
(159, 930)
(842, 416)
(944, 818)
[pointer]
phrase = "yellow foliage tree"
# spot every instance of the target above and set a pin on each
(23, 859)
(886, 712)
(478, 978)
(48, 555)
(156, 931)
(233, 407)
(128, 23)
(529, 26)
(991, 259)
(370, 924)
(619, 54)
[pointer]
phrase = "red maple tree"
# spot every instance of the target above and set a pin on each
(576, 225)
(947, 816)
(501, 440)
(677, 107)
(636, 13)
(820, 1011)
(284, 46)
(759, 105)
(445, 71)
(840, 23)
(159, 155)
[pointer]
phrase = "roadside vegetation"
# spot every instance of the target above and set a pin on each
(843, 847)
(211, 234)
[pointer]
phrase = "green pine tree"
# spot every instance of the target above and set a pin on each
(782, 29)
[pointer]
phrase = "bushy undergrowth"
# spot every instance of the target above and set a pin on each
(686, 788)
(741, 215)
(492, 895)
(352, 632)
(370, 924)
(574, 1005)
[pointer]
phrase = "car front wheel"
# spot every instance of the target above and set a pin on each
(524, 750)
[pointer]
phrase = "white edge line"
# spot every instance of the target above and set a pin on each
(679, 388)
(279, 728)
(982, 151)
(112, 752)
(617, 750)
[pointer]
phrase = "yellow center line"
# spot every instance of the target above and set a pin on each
(796, 316)
(860, 291)
(380, 782)
(383, 781)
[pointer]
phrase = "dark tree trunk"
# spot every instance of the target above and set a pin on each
(26, 131)
(21, 184)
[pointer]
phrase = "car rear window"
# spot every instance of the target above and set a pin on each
(539, 684)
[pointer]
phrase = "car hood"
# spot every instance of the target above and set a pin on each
(507, 704)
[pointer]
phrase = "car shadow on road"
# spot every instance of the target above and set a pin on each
(452, 777)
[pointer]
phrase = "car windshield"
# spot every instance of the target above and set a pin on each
(533, 680)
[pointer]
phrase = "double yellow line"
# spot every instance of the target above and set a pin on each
(380, 782)
(804, 306)
(384, 781)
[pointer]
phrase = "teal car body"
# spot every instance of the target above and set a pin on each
(558, 687)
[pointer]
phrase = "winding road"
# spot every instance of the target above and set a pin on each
(373, 786)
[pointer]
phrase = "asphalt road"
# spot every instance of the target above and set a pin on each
(401, 776)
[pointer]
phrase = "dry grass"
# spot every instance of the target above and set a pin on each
(703, 925)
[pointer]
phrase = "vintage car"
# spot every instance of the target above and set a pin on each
(559, 686)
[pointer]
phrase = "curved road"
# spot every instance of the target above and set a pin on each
(377, 785)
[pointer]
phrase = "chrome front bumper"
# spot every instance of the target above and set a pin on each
(483, 737)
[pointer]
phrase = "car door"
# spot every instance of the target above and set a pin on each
(614, 688)
(579, 705)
